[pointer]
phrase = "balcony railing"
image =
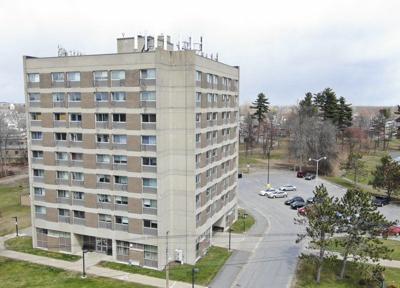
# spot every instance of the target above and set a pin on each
(119, 166)
(105, 205)
(79, 221)
(147, 104)
(149, 147)
(57, 123)
(36, 123)
(75, 124)
(75, 182)
(118, 125)
(37, 160)
(151, 169)
(121, 187)
(148, 210)
(38, 179)
(78, 202)
(100, 83)
(64, 200)
(118, 83)
(102, 124)
(149, 190)
(150, 231)
(102, 185)
(105, 225)
(62, 181)
(39, 197)
(121, 207)
(64, 219)
(121, 227)
(149, 126)
(40, 216)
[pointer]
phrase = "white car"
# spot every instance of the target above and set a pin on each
(288, 188)
(277, 194)
(264, 192)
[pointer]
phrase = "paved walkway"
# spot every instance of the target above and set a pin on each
(91, 268)
(11, 179)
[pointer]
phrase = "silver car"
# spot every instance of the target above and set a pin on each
(288, 188)
(277, 194)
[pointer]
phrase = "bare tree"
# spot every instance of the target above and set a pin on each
(248, 131)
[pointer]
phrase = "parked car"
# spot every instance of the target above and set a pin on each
(298, 204)
(381, 201)
(277, 194)
(288, 188)
(310, 200)
(293, 199)
(264, 192)
(392, 231)
(304, 210)
(309, 176)
(300, 174)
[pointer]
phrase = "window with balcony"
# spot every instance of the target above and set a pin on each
(77, 176)
(121, 220)
(104, 198)
(38, 173)
(150, 224)
(120, 159)
(101, 96)
(150, 182)
(58, 97)
(148, 96)
(79, 214)
(149, 203)
(100, 75)
(119, 117)
(63, 156)
(75, 117)
(61, 136)
(38, 191)
(33, 78)
(103, 138)
(60, 117)
(198, 76)
(148, 140)
(149, 118)
(148, 74)
(62, 194)
(120, 139)
(37, 135)
(118, 96)
(78, 195)
(36, 116)
(34, 97)
(63, 212)
(76, 137)
(215, 79)
(74, 76)
(198, 98)
(76, 156)
(57, 77)
(40, 210)
(102, 117)
(36, 154)
(122, 180)
(103, 178)
(121, 200)
(149, 161)
(209, 78)
(62, 175)
(210, 98)
(198, 137)
(103, 158)
(105, 218)
(118, 75)
(197, 179)
(198, 117)
(74, 97)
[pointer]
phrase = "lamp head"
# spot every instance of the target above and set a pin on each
(309, 159)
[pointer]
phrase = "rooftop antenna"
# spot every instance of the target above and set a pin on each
(216, 57)
(201, 43)
(123, 35)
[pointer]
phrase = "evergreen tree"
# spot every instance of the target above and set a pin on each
(344, 117)
(387, 176)
(307, 107)
(398, 121)
(261, 106)
(327, 103)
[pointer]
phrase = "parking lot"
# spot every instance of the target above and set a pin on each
(274, 257)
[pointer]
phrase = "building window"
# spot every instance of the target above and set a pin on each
(118, 75)
(63, 175)
(37, 154)
(62, 156)
(100, 75)
(75, 117)
(149, 203)
(38, 172)
(101, 117)
(122, 247)
(123, 180)
(103, 178)
(118, 96)
(149, 140)
(119, 139)
(34, 97)
(148, 74)
(62, 194)
(198, 97)
(121, 220)
(58, 97)
(150, 224)
(74, 97)
(119, 117)
(149, 161)
(38, 191)
(40, 210)
(78, 195)
(76, 156)
(120, 159)
(198, 117)
(104, 198)
(103, 158)
(209, 78)
(79, 214)
(150, 252)
(105, 218)
(74, 76)
(149, 118)
(63, 212)
(61, 136)
(101, 96)
(60, 116)
(36, 116)
(150, 182)
(33, 78)
(198, 76)
(198, 138)
(148, 96)
(57, 77)
(76, 137)
(77, 176)
(121, 200)
(103, 138)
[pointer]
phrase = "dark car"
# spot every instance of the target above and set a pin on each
(240, 175)
(300, 174)
(310, 200)
(309, 176)
(380, 201)
(298, 204)
(294, 199)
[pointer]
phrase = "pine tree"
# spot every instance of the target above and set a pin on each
(387, 176)
(261, 105)
(307, 107)
(344, 117)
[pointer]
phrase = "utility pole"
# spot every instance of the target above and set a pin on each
(167, 263)
(230, 238)
(16, 225)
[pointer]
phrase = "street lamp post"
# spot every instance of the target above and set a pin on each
(16, 225)
(84, 251)
(194, 270)
(317, 161)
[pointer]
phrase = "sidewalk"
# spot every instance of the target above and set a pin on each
(91, 269)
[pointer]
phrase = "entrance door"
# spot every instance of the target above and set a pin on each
(104, 246)
(89, 243)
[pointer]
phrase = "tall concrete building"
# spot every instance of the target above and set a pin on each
(127, 147)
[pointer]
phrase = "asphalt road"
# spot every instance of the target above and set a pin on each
(272, 260)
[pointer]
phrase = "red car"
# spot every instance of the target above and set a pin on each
(392, 231)
(303, 210)
(300, 174)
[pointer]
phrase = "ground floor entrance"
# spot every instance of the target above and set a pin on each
(100, 245)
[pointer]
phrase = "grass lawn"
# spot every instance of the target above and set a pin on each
(10, 207)
(242, 224)
(339, 181)
(24, 244)
(305, 275)
(208, 267)
(20, 274)
(392, 244)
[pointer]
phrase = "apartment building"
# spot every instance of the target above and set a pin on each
(127, 147)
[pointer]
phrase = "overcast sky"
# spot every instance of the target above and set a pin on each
(284, 48)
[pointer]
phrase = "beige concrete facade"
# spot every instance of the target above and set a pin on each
(111, 174)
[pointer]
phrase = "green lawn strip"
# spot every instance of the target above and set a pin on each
(24, 244)
(339, 181)
(242, 224)
(10, 207)
(305, 275)
(208, 267)
(21, 274)
(392, 244)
